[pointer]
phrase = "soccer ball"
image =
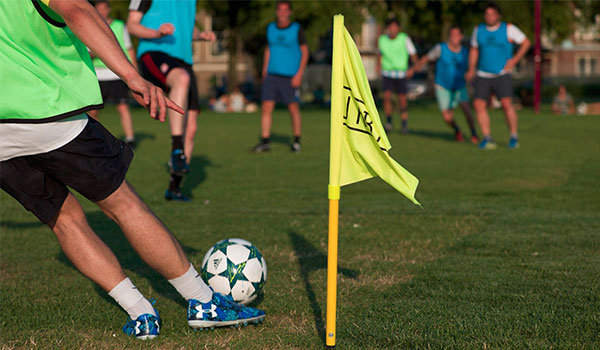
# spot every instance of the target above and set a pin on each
(235, 267)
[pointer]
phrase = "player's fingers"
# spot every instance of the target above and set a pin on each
(153, 102)
(172, 105)
(162, 110)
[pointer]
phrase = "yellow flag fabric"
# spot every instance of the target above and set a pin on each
(364, 143)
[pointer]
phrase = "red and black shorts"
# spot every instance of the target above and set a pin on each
(155, 66)
(93, 164)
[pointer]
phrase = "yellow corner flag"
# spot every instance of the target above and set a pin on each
(355, 124)
(358, 148)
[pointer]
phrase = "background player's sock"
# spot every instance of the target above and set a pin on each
(175, 182)
(176, 142)
(389, 119)
(453, 126)
(474, 132)
(191, 286)
(404, 123)
(514, 136)
(297, 139)
(265, 140)
(131, 300)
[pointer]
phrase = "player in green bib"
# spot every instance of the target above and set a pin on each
(47, 143)
(395, 48)
(113, 89)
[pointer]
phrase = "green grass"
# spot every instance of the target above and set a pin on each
(504, 255)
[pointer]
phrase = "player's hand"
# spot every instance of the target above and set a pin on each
(469, 75)
(410, 73)
(206, 36)
(166, 29)
(296, 80)
(510, 65)
(152, 98)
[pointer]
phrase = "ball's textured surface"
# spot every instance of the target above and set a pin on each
(235, 267)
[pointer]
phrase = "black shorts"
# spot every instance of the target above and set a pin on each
(279, 89)
(155, 66)
(395, 85)
(94, 164)
(115, 91)
(501, 87)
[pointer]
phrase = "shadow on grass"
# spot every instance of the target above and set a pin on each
(197, 174)
(444, 135)
(311, 259)
(113, 237)
(20, 225)
(140, 137)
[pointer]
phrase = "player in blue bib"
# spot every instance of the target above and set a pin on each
(450, 87)
(166, 29)
(491, 61)
(285, 59)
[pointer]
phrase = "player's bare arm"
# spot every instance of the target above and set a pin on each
(92, 30)
(203, 36)
(473, 58)
(266, 58)
(417, 66)
(512, 62)
(297, 79)
(135, 27)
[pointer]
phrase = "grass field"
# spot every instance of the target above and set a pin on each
(504, 255)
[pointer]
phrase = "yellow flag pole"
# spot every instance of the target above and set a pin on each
(335, 160)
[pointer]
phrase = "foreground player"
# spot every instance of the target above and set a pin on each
(492, 54)
(166, 30)
(47, 143)
(111, 86)
(452, 60)
(286, 56)
(395, 48)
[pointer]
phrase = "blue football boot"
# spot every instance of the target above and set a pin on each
(513, 143)
(146, 326)
(221, 311)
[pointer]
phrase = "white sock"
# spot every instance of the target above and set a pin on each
(191, 286)
(131, 300)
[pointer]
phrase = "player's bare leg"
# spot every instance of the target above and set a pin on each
(480, 106)
(144, 231)
(126, 121)
(178, 81)
(403, 103)
(448, 116)
(191, 127)
(84, 248)
(93, 113)
(464, 106)
(294, 109)
(510, 114)
(388, 109)
(512, 121)
(266, 120)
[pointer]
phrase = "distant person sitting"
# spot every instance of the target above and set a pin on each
(563, 102)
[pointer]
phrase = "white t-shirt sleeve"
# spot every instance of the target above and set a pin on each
(514, 34)
(434, 53)
(126, 39)
(474, 38)
(410, 47)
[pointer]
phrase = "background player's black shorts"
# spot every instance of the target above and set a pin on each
(279, 89)
(115, 91)
(155, 66)
(395, 85)
(501, 86)
(94, 164)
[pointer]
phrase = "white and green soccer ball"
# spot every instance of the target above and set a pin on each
(235, 267)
